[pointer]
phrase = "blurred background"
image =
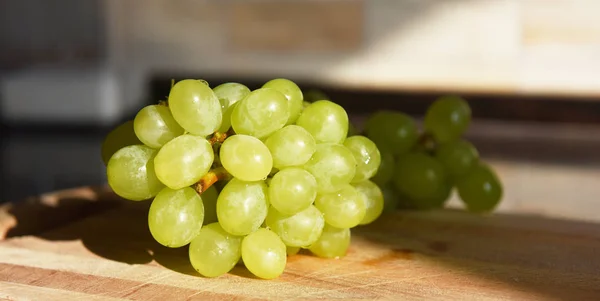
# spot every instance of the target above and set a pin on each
(71, 70)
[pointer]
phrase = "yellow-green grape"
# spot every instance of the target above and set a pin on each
(344, 208)
(293, 94)
(242, 206)
(457, 156)
(264, 254)
(260, 113)
(333, 243)
(419, 176)
(332, 165)
(480, 189)
(195, 107)
(176, 216)
(326, 121)
(120, 137)
(229, 94)
(367, 156)
(154, 125)
(292, 190)
(130, 173)
(394, 130)
(246, 158)
(297, 230)
(292, 250)
(214, 252)
(385, 172)
(183, 161)
(209, 199)
(373, 197)
(448, 118)
(291, 146)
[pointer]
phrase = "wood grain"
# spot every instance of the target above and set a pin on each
(441, 255)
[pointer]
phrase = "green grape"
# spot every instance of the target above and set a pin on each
(437, 200)
(373, 197)
(264, 254)
(242, 206)
(385, 172)
(120, 137)
(332, 165)
(209, 199)
(419, 176)
(367, 156)
(391, 200)
(326, 121)
(305, 104)
(292, 250)
(448, 118)
(246, 158)
(261, 113)
(292, 190)
(480, 189)
(214, 252)
(315, 95)
(344, 208)
(457, 156)
(299, 230)
(333, 243)
(394, 130)
(293, 94)
(195, 107)
(291, 146)
(183, 161)
(154, 126)
(229, 94)
(130, 173)
(176, 216)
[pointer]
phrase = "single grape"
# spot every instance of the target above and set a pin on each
(457, 156)
(448, 118)
(246, 158)
(118, 138)
(344, 208)
(242, 206)
(195, 107)
(260, 113)
(391, 199)
(437, 200)
(373, 197)
(367, 156)
(130, 173)
(209, 199)
(183, 161)
(394, 130)
(264, 254)
(214, 252)
(480, 189)
(332, 165)
(228, 95)
(326, 121)
(154, 126)
(176, 216)
(333, 243)
(315, 95)
(293, 94)
(292, 190)
(291, 146)
(292, 250)
(419, 176)
(385, 172)
(298, 230)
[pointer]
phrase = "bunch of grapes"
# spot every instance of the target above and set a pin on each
(419, 169)
(247, 177)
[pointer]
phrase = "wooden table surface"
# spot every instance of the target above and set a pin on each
(86, 244)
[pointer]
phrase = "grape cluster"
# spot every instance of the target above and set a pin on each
(246, 176)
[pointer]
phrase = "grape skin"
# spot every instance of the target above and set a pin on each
(385, 171)
(292, 190)
(448, 118)
(195, 107)
(154, 125)
(332, 165)
(176, 216)
(242, 206)
(293, 94)
(261, 113)
(419, 176)
(130, 173)
(480, 189)
(118, 138)
(214, 252)
(344, 208)
(458, 157)
(291, 146)
(209, 199)
(298, 230)
(326, 121)
(367, 156)
(228, 95)
(183, 161)
(333, 243)
(246, 158)
(264, 254)
(373, 197)
(393, 130)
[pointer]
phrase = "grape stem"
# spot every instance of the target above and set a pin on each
(211, 178)
(217, 137)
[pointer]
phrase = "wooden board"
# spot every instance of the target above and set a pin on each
(100, 249)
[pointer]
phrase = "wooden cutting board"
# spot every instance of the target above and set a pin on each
(86, 244)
